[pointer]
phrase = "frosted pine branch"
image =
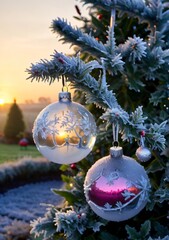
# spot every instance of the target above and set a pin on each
(156, 63)
(88, 43)
(160, 95)
(76, 37)
(69, 222)
(133, 7)
(154, 133)
(156, 137)
(115, 115)
(134, 49)
(111, 41)
(78, 73)
(137, 116)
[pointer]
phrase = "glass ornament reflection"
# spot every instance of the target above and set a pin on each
(102, 192)
(116, 187)
(64, 132)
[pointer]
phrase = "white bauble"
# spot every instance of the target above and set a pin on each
(143, 154)
(64, 132)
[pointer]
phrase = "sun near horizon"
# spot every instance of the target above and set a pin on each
(26, 38)
(2, 101)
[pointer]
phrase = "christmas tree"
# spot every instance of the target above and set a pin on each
(121, 70)
(15, 125)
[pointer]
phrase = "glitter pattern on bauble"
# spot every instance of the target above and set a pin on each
(116, 187)
(64, 132)
(143, 154)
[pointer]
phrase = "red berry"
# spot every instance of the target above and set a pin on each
(73, 166)
(100, 16)
(61, 60)
(23, 142)
(36, 73)
(142, 133)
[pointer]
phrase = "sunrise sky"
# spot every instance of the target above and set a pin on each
(25, 38)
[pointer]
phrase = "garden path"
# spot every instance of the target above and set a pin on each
(21, 205)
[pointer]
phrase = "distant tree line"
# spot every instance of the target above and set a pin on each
(42, 100)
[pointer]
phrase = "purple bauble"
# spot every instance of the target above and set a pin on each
(116, 187)
(102, 193)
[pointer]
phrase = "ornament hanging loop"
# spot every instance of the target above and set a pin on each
(115, 128)
(64, 85)
(112, 25)
(64, 96)
(142, 138)
(142, 141)
(112, 19)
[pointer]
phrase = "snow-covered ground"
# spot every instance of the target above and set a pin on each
(20, 205)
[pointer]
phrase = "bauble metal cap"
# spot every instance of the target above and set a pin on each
(116, 152)
(64, 96)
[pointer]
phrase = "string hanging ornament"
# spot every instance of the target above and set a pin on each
(64, 132)
(116, 187)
